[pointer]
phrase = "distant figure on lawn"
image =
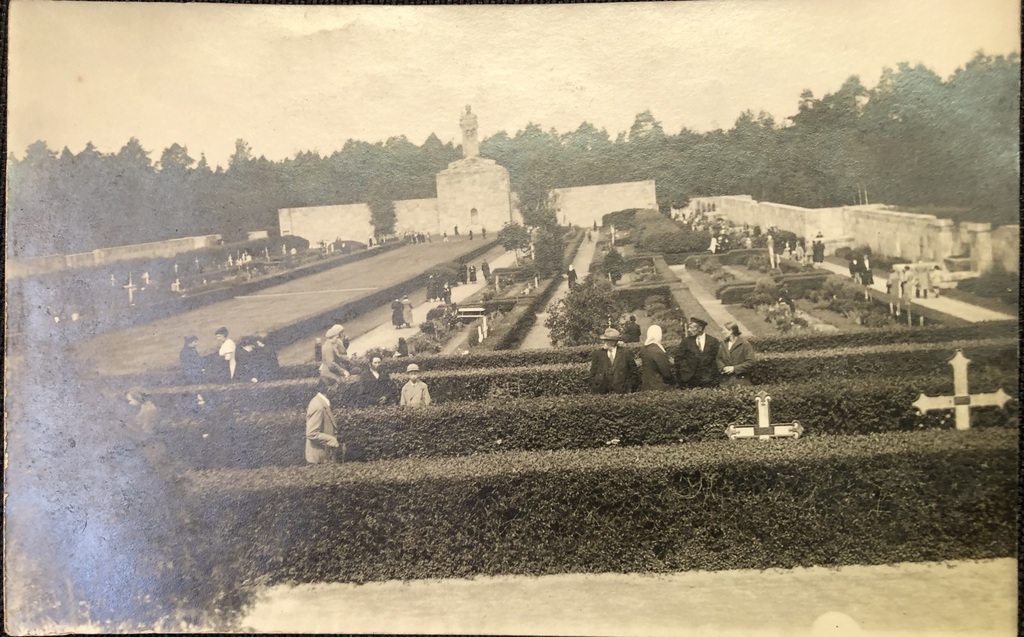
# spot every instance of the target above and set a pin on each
(407, 311)
(655, 367)
(321, 430)
(335, 365)
(695, 357)
(227, 352)
(631, 331)
(573, 277)
(414, 393)
(375, 386)
(397, 314)
(612, 368)
(191, 361)
(735, 356)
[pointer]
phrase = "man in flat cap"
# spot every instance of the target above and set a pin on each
(335, 364)
(695, 356)
(612, 368)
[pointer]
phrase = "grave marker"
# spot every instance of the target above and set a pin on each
(764, 430)
(962, 400)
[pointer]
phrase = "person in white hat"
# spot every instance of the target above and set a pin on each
(414, 393)
(335, 364)
(612, 368)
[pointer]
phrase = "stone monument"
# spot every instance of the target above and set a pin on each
(473, 192)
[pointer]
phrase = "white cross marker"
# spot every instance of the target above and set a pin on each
(962, 400)
(131, 287)
(764, 430)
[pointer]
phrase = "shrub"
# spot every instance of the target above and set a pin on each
(998, 284)
(582, 315)
(922, 496)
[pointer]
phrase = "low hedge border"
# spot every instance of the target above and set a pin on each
(764, 345)
(448, 385)
(827, 408)
(515, 336)
(797, 284)
(730, 257)
(896, 497)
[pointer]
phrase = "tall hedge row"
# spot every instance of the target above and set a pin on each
(880, 499)
(824, 409)
(926, 359)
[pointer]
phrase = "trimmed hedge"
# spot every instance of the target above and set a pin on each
(797, 284)
(826, 408)
(720, 505)
(888, 361)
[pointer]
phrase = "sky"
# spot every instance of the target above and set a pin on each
(298, 78)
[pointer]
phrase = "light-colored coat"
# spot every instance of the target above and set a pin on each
(320, 429)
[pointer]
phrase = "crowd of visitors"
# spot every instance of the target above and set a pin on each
(699, 360)
(251, 359)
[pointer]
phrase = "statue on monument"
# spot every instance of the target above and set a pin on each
(470, 145)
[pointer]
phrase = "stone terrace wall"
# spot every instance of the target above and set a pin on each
(60, 262)
(1006, 247)
(892, 233)
(327, 223)
(416, 215)
(584, 205)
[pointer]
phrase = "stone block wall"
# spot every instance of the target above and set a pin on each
(416, 215)
(584, 205)
(894, 233)
(327, 223)
(16, 268)
(473, 194)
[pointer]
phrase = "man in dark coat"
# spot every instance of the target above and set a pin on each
(631, 331)
(397, 313)
(376, 387)
(695, 357)
(485, 269)
(612, 368)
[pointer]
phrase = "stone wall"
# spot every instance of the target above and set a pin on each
(1006, 247)
(473, 194)
(584, 205)
(16, 268)
(327, 223)
(893, 233)
(416, 215)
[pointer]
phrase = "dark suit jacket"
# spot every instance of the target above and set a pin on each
(371, 389)
(612, 378)
(695, 368)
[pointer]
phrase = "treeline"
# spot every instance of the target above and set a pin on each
(915, 140)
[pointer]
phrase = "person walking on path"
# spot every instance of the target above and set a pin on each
(573, 277)
(406, 311)
(818, 251)
(321, 430)
(655, 366)
(612, 368)
(472, 274)
(485, 269)
(696, 355)
(397, 314)
(415, 394)
(447, 294)
(335, 356)
(735, 356)
(226, 351)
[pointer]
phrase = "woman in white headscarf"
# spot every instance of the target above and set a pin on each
(656, 369)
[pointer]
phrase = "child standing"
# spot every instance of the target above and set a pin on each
(414, 394)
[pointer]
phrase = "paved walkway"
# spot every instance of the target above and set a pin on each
(953, 307)
(540, 337)
(936, 598)
(714, 307)
(385, 334)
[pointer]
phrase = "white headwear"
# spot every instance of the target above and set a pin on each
(654, 336)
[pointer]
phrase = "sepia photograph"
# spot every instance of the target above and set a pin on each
(630, 319)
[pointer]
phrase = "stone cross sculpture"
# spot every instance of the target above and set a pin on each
(470, 145)
(962, 400)
(764, 430)
(131, 287)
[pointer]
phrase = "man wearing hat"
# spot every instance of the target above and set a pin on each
(335, 357)
(612, 368)
(414, 393)
(321, 430)
(696, 355)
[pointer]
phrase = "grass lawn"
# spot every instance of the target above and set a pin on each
(154, 346)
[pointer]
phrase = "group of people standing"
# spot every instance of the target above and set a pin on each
(700, 360)
(248, 360)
